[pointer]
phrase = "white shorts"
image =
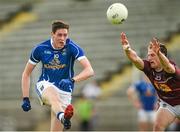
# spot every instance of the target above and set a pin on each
(175, 110)
(146, 116)
(64, 96)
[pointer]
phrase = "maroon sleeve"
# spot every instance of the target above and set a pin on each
(147, 67)
(177, 73)
(177, 70)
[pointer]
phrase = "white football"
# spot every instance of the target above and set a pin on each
(117, 13)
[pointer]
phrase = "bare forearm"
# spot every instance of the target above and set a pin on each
(85, 74)
(25, 85)
(134, 58)
(167, 66)
(131, 54)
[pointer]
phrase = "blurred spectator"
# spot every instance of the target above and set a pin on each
(91, 90)
(143, 96)
(84, 111)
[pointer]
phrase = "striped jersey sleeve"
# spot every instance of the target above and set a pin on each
(35, 56)
(77, 52)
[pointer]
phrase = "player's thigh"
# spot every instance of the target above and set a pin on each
(46, 92)
(50, 95)
(164, 117)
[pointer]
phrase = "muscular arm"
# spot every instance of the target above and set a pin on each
(25, 83)
(167, 66)
(131, 54)
(86, 72)
(134, 58)
(165, 63)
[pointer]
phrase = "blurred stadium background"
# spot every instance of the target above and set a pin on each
(25, 23)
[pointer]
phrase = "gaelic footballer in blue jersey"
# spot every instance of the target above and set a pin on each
(56, 82)
(56, 64)
(144, 98)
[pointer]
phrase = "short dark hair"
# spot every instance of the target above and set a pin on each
(59, 24)
(163, 49)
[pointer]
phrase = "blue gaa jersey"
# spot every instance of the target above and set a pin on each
(147, 94)
(57, 64)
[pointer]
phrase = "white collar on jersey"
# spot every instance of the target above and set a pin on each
(52, 44)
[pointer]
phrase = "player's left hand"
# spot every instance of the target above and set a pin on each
(66, 84)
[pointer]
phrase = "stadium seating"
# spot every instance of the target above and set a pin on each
(91, 30)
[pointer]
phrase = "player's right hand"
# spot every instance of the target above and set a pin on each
(154, 45)
(26, 105)
(124, 41)
(66, 84)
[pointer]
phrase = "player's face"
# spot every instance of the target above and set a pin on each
(59, 38)
(153, 59)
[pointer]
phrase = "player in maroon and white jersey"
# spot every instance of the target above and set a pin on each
(164, 75)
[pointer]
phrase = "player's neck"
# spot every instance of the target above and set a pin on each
(158, 69)
(54, 46)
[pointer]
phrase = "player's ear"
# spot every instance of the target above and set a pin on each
(150, 45)
(52, 33)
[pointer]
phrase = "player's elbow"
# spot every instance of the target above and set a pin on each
(91, 72)
(170, 69)
(24, 74)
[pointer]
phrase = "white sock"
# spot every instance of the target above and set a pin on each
(60, 115)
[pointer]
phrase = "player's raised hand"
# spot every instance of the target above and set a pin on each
(154, 45)
(26, 105)
(124, 41)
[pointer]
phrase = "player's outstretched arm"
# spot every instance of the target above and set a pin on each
(86, 72)
(165, 63)
(131, 54)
